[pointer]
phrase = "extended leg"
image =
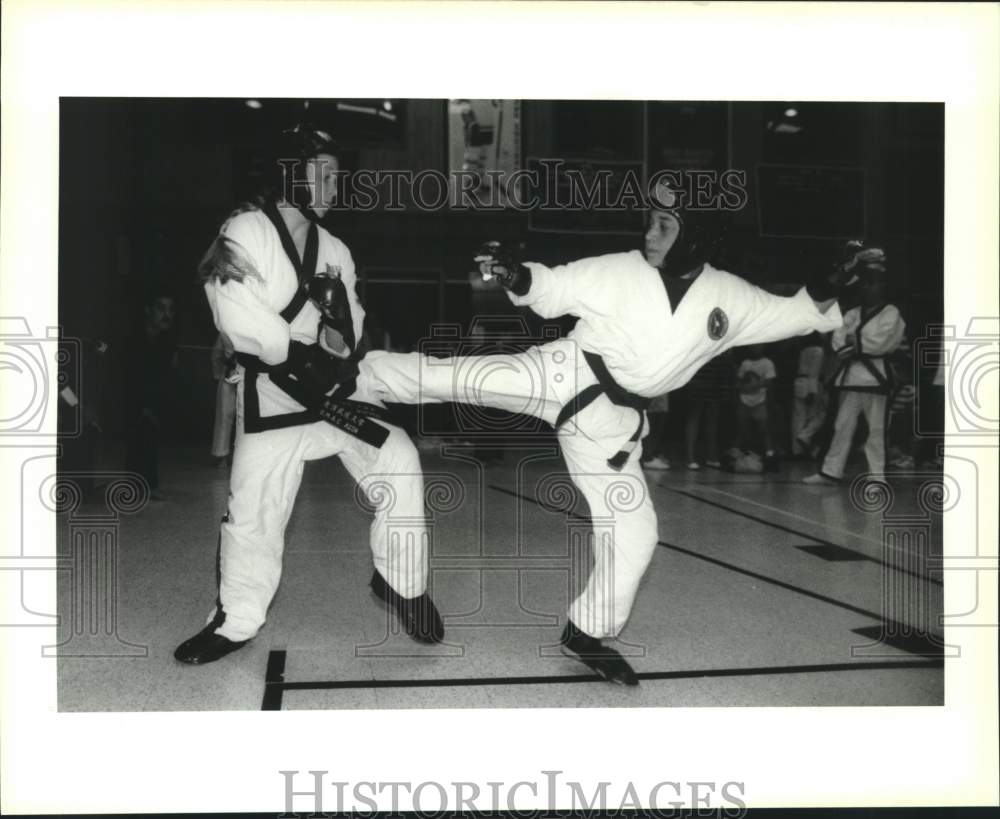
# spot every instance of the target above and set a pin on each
(537, 382)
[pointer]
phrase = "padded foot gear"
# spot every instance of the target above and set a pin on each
(599, 658)
(770, 463)
(819, 479)
(694, 465)
(418, 615)
(206, 647)
(659, 462)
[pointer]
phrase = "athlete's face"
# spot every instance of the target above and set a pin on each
(661, 234)
(321, 173)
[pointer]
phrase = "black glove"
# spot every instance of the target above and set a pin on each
(329, 295)
(315, 369)
(502, 263)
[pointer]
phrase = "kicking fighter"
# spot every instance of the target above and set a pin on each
(282, 290)
(647, 322)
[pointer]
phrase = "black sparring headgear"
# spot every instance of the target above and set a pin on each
(294, 148)
(701, 232)
(860, 259)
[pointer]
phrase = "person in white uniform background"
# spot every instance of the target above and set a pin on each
(282, 290)
(808, 396)
(647, 322)
(863, 382)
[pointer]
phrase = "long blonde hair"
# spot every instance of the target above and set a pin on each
(225, 259)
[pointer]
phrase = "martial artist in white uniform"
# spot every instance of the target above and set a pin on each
(252, 278)
(870, 332)
(808, 397)
(647, 323)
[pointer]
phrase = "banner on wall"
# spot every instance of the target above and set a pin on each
(810, 201)
(484, 149)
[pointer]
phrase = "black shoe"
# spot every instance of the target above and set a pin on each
(599, 658)
(206, 647)
(418, 615)
(771, 463)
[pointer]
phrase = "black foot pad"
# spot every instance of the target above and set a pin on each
(206, 647)
(418, 615)
(599, 658)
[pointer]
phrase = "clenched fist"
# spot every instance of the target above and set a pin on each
(498, 261)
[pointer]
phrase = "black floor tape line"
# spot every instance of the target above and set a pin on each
(739, 570)
(275, 690)
(276, 686)
(789, 530)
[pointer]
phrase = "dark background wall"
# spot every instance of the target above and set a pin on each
(145, 184)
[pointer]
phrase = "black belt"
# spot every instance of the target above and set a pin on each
(353, 417)
(885, 385)
(618, 395)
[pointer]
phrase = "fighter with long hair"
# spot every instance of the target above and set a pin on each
(282, 290)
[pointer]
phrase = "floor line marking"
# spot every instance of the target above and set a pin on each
(775, 582)
(557, 679)
(274, 680)
(789, 530)
(724, 564)
(848, 532)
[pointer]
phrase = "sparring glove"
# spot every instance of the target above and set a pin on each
(329, 295)
(315, 369)
(500, 262)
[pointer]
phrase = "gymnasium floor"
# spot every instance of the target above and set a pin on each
(762, 592)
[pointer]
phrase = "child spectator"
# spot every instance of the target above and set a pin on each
(755, 375)
(705, 393)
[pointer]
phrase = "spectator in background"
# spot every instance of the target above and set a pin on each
(223, 369)
(808, 396)
(706, 392)
(755, 375)
(864, 382)
(151, 356)
(654, 445)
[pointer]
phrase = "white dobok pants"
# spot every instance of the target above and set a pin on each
(853, 404)
(539, 382)
(807, 417)
(267, 470)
